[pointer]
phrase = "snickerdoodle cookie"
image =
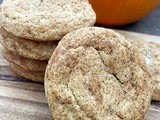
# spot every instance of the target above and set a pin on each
(25, 63)
(45, 20)
(95, 73)
(31, 75)
(151, 52)
(27, 48)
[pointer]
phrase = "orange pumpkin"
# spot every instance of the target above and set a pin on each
(121, 12)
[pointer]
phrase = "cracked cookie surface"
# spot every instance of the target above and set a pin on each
(45, 20)
(151, 52)
(25, 63)
(27, 48)
(95, 74)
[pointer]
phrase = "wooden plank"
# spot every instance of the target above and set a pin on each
(24, 99)
(133, 36)
(22, 90)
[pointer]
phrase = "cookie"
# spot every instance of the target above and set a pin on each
(94, 73)
(25, 63)
(45, 20)
(27, 48)
(31, 75)
(151, 52)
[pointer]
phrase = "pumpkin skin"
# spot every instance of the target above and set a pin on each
(121, 12)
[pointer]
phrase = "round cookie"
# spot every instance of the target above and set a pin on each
(151, 52)
(25, 63)
(31, 75)
(27, 48)
(45, 20)
(94, 73)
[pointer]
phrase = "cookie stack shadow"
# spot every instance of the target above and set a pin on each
(27, 58)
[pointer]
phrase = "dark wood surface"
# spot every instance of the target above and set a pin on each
(21, 99)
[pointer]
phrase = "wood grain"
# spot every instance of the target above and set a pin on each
(21, 99)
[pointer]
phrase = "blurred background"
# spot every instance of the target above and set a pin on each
(150, 24)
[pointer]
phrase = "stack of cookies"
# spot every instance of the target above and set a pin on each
(27, 58)
(30, 31)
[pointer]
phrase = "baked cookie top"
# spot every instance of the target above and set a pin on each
(45, 20)
(151, 52)
(95, 73)
(39, 50)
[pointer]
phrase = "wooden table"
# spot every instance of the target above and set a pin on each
(21, 99)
